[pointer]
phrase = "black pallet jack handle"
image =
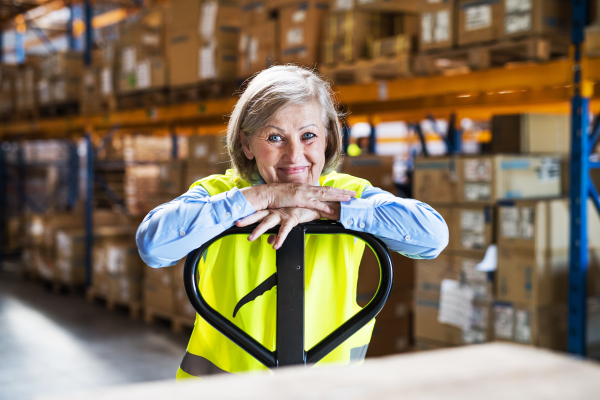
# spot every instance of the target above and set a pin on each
(290, 297)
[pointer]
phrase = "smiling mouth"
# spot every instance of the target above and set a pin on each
(293, 170)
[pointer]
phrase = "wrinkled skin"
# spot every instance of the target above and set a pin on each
(290, 155)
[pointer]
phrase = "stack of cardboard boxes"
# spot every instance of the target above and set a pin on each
(142, 63)
(203, 41)
(370, 29)
(98, 84)
(465, 191)
(447, 23)
(259, 38)
(117, 267)
(207, 156)
(8, 75)
(59, 80)
(164, 294)
(514, 202)
(25, 88)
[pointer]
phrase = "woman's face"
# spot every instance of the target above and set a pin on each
(291, 148)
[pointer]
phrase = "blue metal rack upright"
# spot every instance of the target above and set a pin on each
(582, 141)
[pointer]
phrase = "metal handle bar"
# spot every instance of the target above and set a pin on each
(290, 302)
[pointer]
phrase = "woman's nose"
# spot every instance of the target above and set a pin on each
(295, 151)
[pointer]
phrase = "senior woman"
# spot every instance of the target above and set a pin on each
(284, 141)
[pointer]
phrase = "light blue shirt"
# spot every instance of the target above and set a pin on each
(172, 230)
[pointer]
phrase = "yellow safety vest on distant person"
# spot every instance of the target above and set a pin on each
(233, 267)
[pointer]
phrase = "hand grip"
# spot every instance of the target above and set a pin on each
(329, 343)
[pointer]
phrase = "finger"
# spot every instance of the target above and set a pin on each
(286, 226)
(269, 222)
(271, 239)
(327, 193)
(320, 206)
(252, 218)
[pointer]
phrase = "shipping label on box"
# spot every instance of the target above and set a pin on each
(538, 326)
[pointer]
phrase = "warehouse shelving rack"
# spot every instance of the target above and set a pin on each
(560, 86)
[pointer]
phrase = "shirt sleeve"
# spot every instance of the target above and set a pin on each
(407, 226)
(170, 231)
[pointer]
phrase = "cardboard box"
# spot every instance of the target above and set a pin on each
(349, 34)
(479, 21)
(487, 179)
(427, 326)
(218, 63)
(183, 306)
(159, 297)
(254, 12)
(407, 6)
(300, 32)
(207, 150)
(198, 172)
(219, 24)
(437, 24)
(125, 288)
(536, 17)
(527, 324)
(182, 48)
(423, 344)
(259, 48)
(391, 46)
(123, 259)
(148, 73)
(171, 177)
(459, 266)
(531, 134)
(389, 337)
(435, 180)
(378, 170)
(473, 228)
(533, 252)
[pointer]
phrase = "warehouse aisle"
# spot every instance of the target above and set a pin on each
(55, 344)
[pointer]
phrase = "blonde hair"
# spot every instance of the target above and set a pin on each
(273, 90)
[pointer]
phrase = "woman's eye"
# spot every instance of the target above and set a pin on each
(308, 136)
(274, 138)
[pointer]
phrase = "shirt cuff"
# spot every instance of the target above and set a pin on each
(357, 214)
(231, 206)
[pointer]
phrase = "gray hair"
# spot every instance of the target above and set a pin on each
(273, 90)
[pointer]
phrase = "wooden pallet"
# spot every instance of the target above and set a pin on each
(143, 98)
(484, 56)
(61, 287)
(178, 322)
(24, 115)
(202, 91)
(134, 307)
(59, 109)
(367, 71)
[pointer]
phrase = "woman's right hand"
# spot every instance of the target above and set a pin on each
(299, 195)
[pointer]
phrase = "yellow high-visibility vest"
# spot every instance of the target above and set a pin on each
(233, 267)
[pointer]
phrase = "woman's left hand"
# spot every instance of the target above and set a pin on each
(286, 217)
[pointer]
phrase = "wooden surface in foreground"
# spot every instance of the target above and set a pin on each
(489, 371)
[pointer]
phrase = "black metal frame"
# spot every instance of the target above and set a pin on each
(290, 297)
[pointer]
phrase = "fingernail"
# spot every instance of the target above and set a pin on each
(250, 238)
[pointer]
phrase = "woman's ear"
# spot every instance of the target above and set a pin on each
(246, 145)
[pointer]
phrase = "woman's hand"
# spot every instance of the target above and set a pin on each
(287, 218)
(297, 195)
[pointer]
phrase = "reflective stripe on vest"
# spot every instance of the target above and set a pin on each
(237, 279)
(199, 366)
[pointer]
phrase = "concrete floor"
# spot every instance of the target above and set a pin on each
(60, 344)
